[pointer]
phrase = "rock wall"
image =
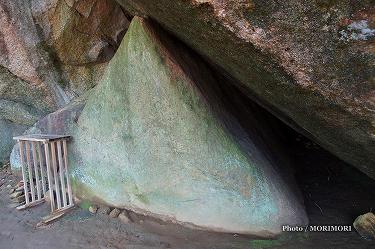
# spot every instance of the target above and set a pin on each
(21, 105)
(81, 36)
(60, 122)
(50, 52)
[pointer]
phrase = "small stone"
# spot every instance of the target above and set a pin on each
(9, 186)
(19, 199)
(11, 191)
(133, 216)
(104, 210)
(123, 217)
(115, 213)
(19, 189)
(365, 226)
(14, 205)
(77, 200)
(16, 194)
(93, 209)
(19, 184)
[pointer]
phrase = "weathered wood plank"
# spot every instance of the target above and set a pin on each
(70, 194)
(55, 175)
(41, 161)
(24, 177)
(41, 137)
(49, 176)
(30, 172)
(61, 172)
(36, 169)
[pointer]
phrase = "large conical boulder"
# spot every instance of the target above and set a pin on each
(147, 140)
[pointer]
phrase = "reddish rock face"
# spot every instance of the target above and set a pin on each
(59, 46)
(50, 52)
(84, 36)
(310, 63)
(14, 54)
(84, 31)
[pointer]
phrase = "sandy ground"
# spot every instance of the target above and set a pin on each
(334, 193)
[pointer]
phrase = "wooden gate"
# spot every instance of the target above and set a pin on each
(44, 162)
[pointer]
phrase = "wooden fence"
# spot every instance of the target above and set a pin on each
(44, 162)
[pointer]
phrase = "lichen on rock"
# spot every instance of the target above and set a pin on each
(365, 226)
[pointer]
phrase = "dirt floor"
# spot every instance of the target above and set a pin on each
(334, 193)
(81, 229)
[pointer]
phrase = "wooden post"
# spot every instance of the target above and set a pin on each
(35, 159)
(49, 176)
(62, 173)
(24, 177)
(67, 173)
(30, 171)
(55, 176)
(40, 154)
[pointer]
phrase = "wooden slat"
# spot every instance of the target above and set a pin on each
(49, 176)
(55, 176)
(41, 162)
(62, 173)
(41, 138)
(55, 215)
(67, 173)
(36, 171)
(63, 210)
(32, 204)
(25, 187)
(30, 171)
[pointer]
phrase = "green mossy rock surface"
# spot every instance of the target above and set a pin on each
(147, 141)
